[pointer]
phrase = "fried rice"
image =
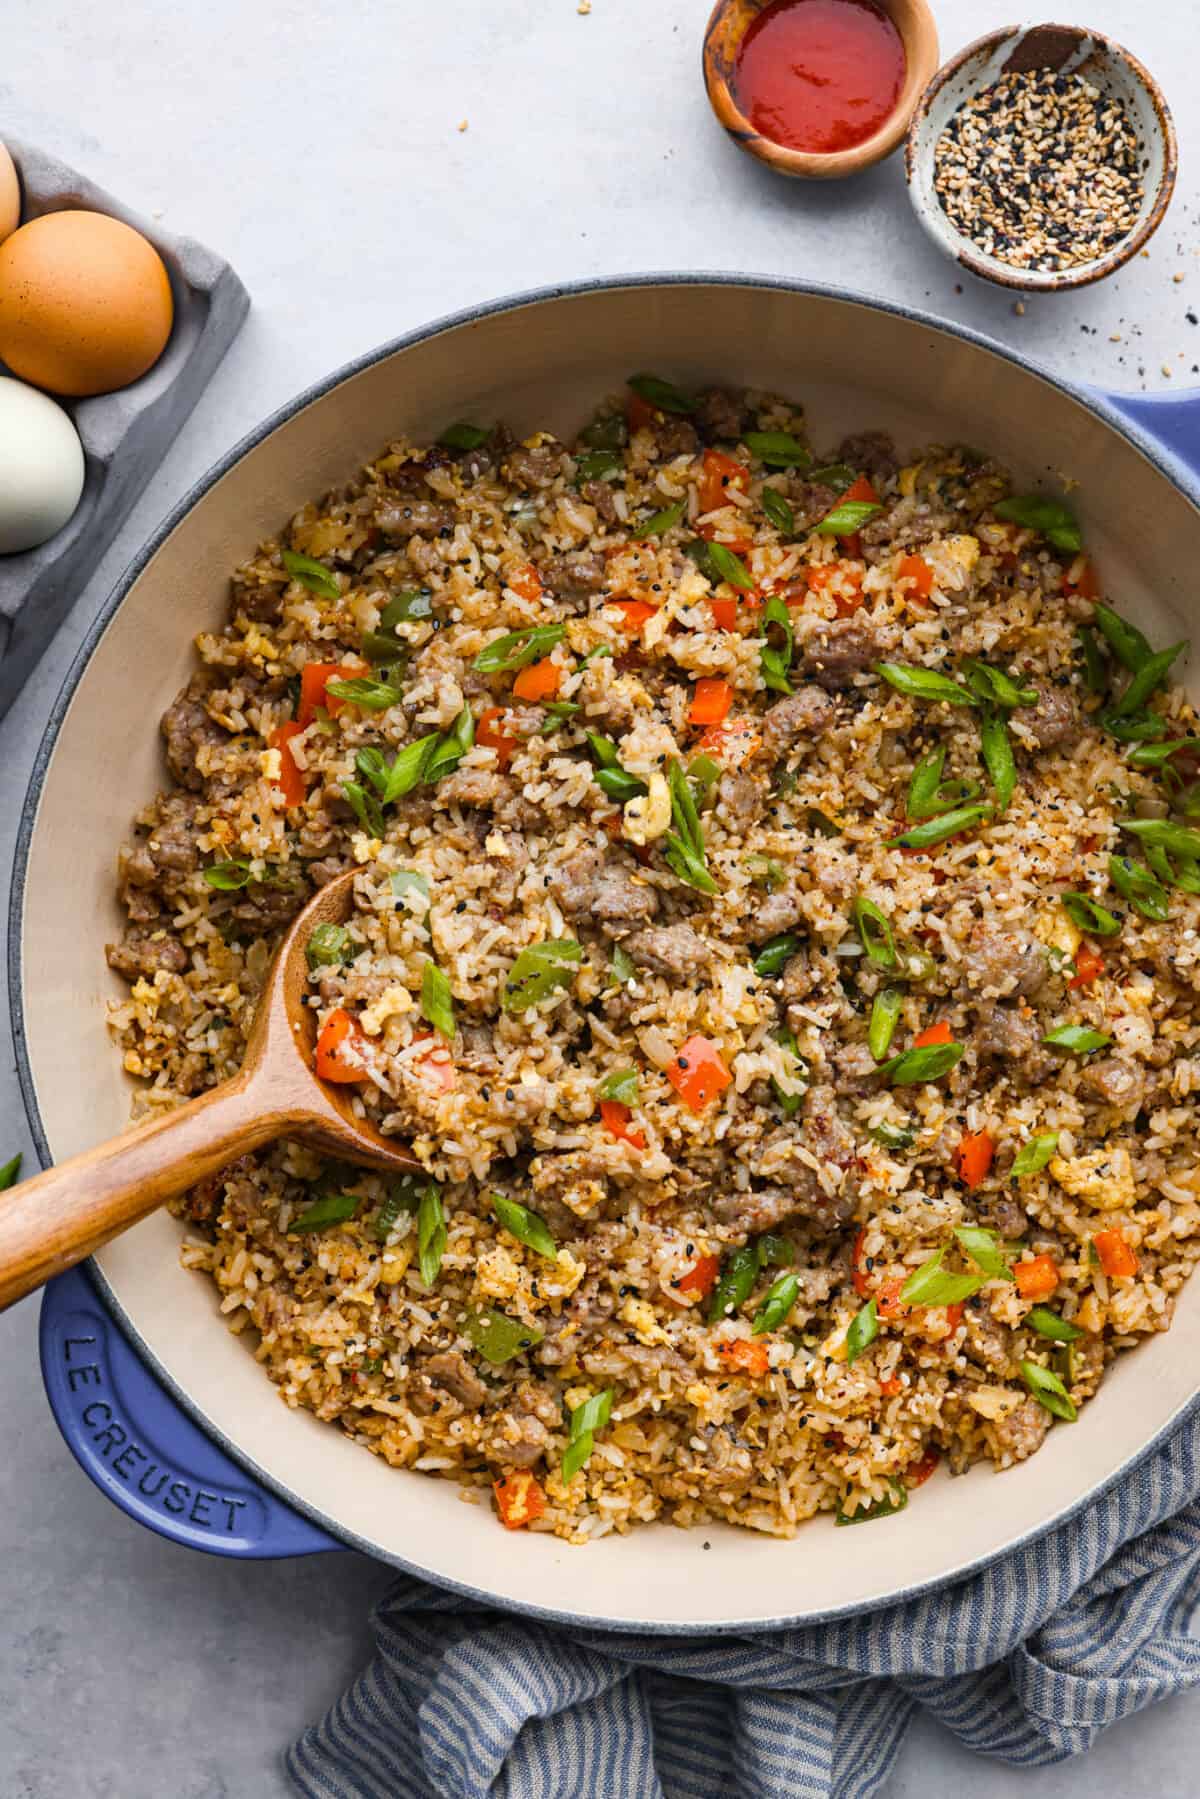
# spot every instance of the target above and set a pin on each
(713, 808)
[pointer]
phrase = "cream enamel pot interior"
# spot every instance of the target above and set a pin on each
(543, 361)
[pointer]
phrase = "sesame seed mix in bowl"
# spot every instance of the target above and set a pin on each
(775, 934)
(1041, 170)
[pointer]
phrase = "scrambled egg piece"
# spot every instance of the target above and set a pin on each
(1103, 1179)
(640, 1317)
(907, 479)
(391, 1002)
(394, 1262)
(648, 815)
(1059, 932)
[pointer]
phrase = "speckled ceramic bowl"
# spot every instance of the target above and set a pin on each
(1066, 49)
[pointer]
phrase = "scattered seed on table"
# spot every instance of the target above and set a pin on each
(1041, 170)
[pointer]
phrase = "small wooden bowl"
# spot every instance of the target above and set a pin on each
(1072, 48)
(730, 21)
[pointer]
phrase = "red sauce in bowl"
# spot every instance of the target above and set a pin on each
(819, 75)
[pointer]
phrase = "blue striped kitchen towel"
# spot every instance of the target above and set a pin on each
(1028, 1662)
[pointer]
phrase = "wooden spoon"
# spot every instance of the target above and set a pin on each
(50, 1223)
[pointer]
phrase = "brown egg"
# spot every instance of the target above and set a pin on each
(85, 303)
(10, 196)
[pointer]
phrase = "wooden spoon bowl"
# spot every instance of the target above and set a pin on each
(728, 25)
(50, 1223)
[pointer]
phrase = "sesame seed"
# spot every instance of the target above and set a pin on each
(1040, 171)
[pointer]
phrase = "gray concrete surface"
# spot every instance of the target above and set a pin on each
(317, 145)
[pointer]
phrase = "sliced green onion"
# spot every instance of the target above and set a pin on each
(1095, 669)
(586, 1420)
(368, 696)
(1049, 517)
(663, 394)
(874, 932)
(403, 1196)
(1154, 755)
(879, 1508)
(775, 955)
(228, 877)
(929, 1063)
(408, 880)
(462, 436)
(778, 511)
(996, 748)
(730, 568)
(1034, 1156)
(431, 1234)
(774, 1252)
(1076, 1039)
(526, 1226)
(936, 830)
(933, 1285)
(621, 1085)
(437, 1001)
(781, 1297)
(984, 1250)
(775, 657)
(864, 1328)
(1048, 1324)
(499, 1338)
(365, 807)
(622, 967)
(402, 608)
(517, 649)
(997, 688)
(789, 1103)
(596, 465)
(778, 449)
(557, 712)
(408, 768)
(734, 1284)
(609, 432)
(450, 747)
(884, 1013)
(834, 474)
(923, 683)
(660, 522)
(764, 871)
(334, 1208)
(1140, 727)
(1131, 649)
(847, 517)
(1151, 675)
(892, 1136)
(327, 946)
(929, 795)
(704, 775)
(1134, 881)
(311, 574)
(1049, 1391)
(9, 1173)
(619, 784)
(1089, 915)
(1177, 840)
(539, 971)
(684, 847)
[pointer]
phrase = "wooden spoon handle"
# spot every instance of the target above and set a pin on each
(55, 1220)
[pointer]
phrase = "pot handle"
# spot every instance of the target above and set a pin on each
(1169, 422)
(136, 1442)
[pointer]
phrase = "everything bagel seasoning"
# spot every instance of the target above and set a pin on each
(1041, 170)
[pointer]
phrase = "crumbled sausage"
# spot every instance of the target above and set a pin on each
(413, 517)
(805, 713)
(999, 963)
(838, 651)
(538, 467)
(673, 949)
(576, 572)
(1054, 722)
(451, 1371)
(600, 495)
(142, 954)
(1117, 1081)
(188, 729)
(871, 452)
(721, 416)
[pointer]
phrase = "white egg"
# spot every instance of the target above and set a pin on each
(41, 467)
